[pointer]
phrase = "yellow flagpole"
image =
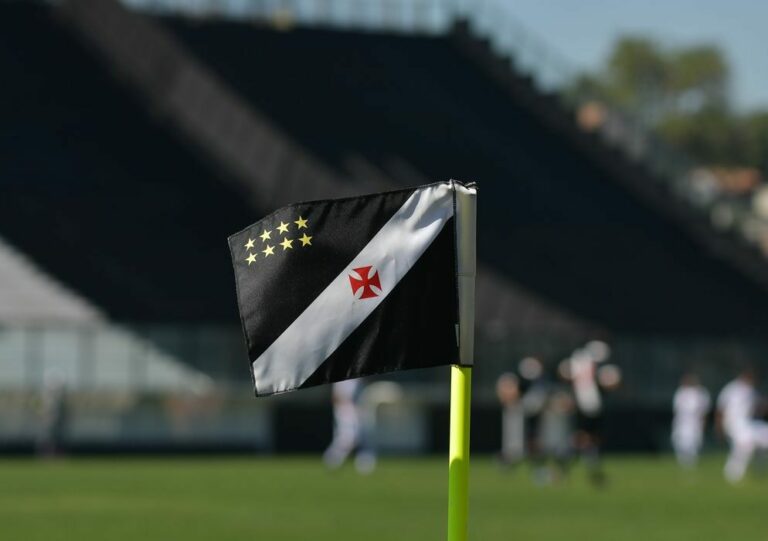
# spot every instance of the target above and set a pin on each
(458, 454)
(461, 374)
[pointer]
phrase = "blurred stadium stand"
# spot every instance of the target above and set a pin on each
(134, 143)
(29, 294)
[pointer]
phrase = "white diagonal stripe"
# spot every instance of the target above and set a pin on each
(335, 313)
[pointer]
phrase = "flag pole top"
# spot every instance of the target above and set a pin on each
(466, 252)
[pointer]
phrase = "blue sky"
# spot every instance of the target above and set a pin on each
(584, 30)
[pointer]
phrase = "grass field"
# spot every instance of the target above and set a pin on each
(295, 499)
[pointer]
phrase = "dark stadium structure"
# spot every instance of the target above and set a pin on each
(97, 194)
(555, 216)
(106, 193)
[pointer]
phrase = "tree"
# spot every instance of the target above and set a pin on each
(636, 77)
(698, 78)
(682, 93)
(652, 82)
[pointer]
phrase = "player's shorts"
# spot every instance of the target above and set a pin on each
(591, 424)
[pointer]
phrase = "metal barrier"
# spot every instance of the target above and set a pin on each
(182, 387)
(208, 358)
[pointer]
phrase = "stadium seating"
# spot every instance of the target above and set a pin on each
(83, 156)
(99, 192)
(561, 213)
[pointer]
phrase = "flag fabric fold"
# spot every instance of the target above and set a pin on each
(337, 289)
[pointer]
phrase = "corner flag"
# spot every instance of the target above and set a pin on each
(338, 289)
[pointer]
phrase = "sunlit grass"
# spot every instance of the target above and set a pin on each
(296, 499)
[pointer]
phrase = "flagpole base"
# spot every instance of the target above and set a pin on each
(458, 453)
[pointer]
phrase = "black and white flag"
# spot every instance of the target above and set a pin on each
(344, 288)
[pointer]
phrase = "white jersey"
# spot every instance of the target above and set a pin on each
(737, 403)
(346, 391)
(585, 388)
(691, 404)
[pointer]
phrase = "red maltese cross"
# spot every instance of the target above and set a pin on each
(366, 280)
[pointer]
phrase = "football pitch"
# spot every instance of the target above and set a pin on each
(296, 499)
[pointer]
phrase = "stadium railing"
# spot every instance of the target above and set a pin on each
(111, 388)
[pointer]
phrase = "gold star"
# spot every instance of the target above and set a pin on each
(265, 235)
(287, 243)
(268, 251)
(249, 244)
(301, 223)
(306, 240)
(251, 259)
(283, 227)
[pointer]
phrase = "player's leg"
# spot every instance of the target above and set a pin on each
(593, 460)
(678, 446)
(345, 435)
(697, 440)
(688, 444)
(512, 436)
(742, 448)
(591, 440)
(760, 434)
(366, 459)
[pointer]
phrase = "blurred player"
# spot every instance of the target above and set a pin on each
(512, 420)
(736, 407)
(53, 415)
(373, 399)
(582, 370)
(536, 389)
(691, 404)
(347, 428)
(555, 437)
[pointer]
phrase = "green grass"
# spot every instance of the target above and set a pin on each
(295, 499)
